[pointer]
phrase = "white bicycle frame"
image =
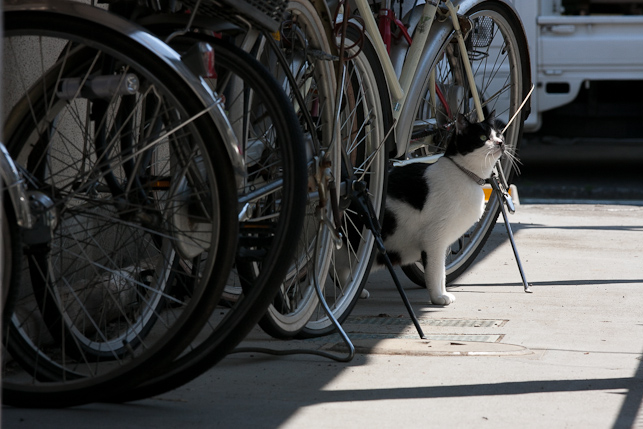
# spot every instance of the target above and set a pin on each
(399, 89)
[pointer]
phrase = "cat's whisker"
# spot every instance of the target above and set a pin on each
(489, 159)
(513, 160)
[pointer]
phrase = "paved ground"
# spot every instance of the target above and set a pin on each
(568, 355)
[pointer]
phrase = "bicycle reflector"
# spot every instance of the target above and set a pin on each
(200, 60)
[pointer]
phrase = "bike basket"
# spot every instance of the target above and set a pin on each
(482, 32)
(265, 14)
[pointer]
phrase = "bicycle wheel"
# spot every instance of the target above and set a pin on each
(275, 187)
(131, 182)
(498, 54)
(366, 122)
(302, 39)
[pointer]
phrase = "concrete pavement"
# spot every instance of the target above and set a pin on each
(568, 355)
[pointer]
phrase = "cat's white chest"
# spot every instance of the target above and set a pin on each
(455, 203)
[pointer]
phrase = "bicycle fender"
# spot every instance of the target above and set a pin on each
(323, 9)
(440, 31)
(139, 35)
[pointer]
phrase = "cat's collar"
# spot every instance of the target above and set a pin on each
(469, 173)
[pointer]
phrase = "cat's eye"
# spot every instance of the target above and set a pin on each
(483, 137)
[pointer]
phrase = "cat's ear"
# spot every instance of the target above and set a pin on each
(495, 122)
(461, 123)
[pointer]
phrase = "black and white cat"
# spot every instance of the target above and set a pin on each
(429, 206)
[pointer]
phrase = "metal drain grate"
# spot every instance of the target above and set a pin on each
(485, 338)
(402, 321)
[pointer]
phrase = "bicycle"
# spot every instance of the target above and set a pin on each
(125, 172)
(313, 67)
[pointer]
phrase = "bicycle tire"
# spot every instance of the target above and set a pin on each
(195, 186)
(301, 32)
(493, 24)
(229, 326)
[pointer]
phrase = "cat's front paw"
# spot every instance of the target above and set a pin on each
(444, 299)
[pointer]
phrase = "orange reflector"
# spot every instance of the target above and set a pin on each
(487, 191)
(161, 184)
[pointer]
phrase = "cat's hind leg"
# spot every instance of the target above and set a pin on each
(435, 276)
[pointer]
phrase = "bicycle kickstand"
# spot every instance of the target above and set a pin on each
(359, 195)
(505, 199)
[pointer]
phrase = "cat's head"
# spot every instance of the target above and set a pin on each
(483, 137)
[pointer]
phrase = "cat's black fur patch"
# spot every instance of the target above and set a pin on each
(407, 183)
(394, 257)
(389, 224)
